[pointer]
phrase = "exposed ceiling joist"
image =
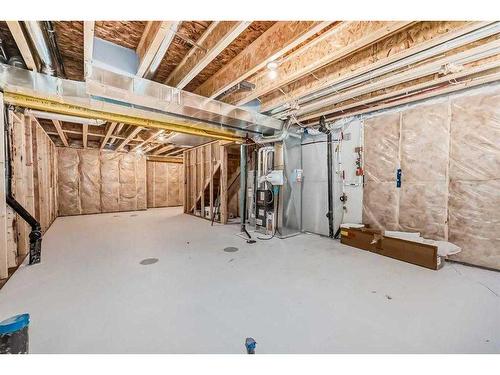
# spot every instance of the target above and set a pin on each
(60, 132)
(88, 43)
(132, 134)
(22, 44)
(407, 42)
(117, 131)
(215, 39)
(335, 44)
(275, 42)
(109, 131)
(163, 149)
(176, 152)
(147, 140)
(85, 134)
(156, 39)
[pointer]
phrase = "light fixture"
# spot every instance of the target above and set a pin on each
(272, 65)
(272, 74)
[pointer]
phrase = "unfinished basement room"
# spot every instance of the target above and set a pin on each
(249, 187)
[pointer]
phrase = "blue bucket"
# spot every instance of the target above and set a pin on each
(14, 337)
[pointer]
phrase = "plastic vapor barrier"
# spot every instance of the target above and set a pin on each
(448, 151)
(93, 181)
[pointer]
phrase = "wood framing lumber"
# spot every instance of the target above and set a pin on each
(154, 43)
(117, 131)
(340, 41)
(109, 131)
(223, 185)
(132, 134)
(88, 43)
(419, 95)
(85, 133)
(18, 35)
(215, 39)
(470, 56)
(164, 149)
(407, 42)
(175, 152)
(60, 132)
(165, 159)
(147, 140)
(4, 269)
(275, 42)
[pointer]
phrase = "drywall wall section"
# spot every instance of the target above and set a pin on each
(165, 184)
(448, 151)
(92, 181)
(34, 174)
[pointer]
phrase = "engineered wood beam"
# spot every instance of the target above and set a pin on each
(22, 44)
(447, 89)
(215, 39)
(155, 40)
(85, 134)
(132, 134)
(109, 131)
(418, 91)
(60, 132)
(405, 43)
(487, 54)
(275, 42)
(88, 43)
(335, 44)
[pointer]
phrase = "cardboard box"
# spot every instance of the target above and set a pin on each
(407, 251)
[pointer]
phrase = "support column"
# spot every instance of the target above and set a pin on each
(243, 185)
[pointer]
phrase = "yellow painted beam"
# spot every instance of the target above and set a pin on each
(70, 109)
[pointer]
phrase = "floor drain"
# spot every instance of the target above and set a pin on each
(230, 249)
(148, 261)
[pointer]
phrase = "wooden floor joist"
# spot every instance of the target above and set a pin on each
(60, 132)
(407, 42)
(215, 39)
(266, 48)
(132, 134)
(335, 44)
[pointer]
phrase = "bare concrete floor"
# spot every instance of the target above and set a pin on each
(306, 294)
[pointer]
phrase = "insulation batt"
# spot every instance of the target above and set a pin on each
(165, 184)
(449, 153)
(93, 181)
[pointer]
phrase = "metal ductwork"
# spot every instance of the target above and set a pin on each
(118, 98)
(42, 39)
(277, 137)
(241, 86)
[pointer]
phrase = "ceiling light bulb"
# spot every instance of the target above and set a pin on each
(272, 74)
(272, 65)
